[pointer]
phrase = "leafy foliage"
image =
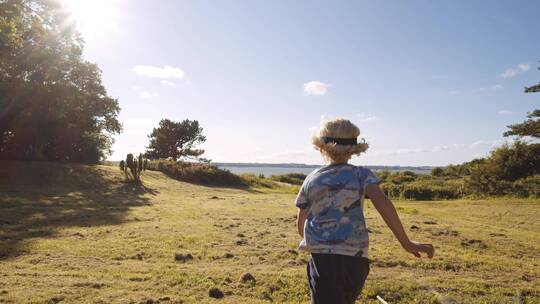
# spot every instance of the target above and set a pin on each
(53, 104)
(533, 89)
(530, 127)
(175, 140)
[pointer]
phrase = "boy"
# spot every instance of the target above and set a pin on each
(331, 220)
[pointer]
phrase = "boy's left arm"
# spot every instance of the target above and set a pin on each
(301, 220)
(388, 212)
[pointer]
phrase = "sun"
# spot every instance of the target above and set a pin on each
(94, 18)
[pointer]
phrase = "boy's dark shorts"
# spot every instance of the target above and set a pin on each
(336, 279)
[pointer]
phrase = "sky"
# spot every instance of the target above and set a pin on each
(428, 82)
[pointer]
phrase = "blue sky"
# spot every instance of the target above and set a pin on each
(427, 82)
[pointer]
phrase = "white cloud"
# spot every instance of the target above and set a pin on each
(316, 88)
(511, 72)
(482, 89)
(504, 112)
(453, 92)
(491, 88)
(416, 150)
(164, 72)
(366, 117)
(147, 95)
(167, 83)
(489, 143)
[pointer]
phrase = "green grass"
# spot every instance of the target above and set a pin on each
(78, 233)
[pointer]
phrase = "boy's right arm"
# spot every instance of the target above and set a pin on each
(388, 212)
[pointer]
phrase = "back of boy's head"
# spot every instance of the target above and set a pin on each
(337, 140)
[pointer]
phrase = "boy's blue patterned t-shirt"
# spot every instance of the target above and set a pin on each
(334, 197)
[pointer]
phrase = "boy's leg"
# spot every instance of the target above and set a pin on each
(336, 278)
(354, 273)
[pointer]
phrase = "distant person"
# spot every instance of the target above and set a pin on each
(331, 219)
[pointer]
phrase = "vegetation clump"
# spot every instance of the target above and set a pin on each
(215, 293)
(197, 173)
(248, 278)
(290, 178)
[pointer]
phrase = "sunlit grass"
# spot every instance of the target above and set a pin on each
(88, 237)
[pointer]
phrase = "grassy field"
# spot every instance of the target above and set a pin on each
(78, 234)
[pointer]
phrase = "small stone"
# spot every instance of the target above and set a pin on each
(215, 293)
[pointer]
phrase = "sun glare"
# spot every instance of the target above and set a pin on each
(94, 18)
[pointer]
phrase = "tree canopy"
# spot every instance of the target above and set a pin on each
(53, 105)
(530, 127)
(175, 140)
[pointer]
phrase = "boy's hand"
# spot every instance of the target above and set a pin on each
(416, 248)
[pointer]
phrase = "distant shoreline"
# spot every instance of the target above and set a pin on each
(296, 165)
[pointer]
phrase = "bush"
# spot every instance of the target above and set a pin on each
(429, 191)
(426, 188)
(437, 171)
(290, 178)
(402, 177)
(392, 190)
(197, 173)
(527, 187)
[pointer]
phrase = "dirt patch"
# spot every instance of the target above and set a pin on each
(473, 243)
(241, 242)
(56, 299)
(444, 232)
(181, 257)
(95, 285)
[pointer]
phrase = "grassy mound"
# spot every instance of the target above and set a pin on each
(198, 173)
(211, 175)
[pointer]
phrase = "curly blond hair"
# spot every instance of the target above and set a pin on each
(338, 128)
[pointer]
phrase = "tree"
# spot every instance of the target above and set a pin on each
(530, 127)
(175, 140)
(53, 105)
(533, 89)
